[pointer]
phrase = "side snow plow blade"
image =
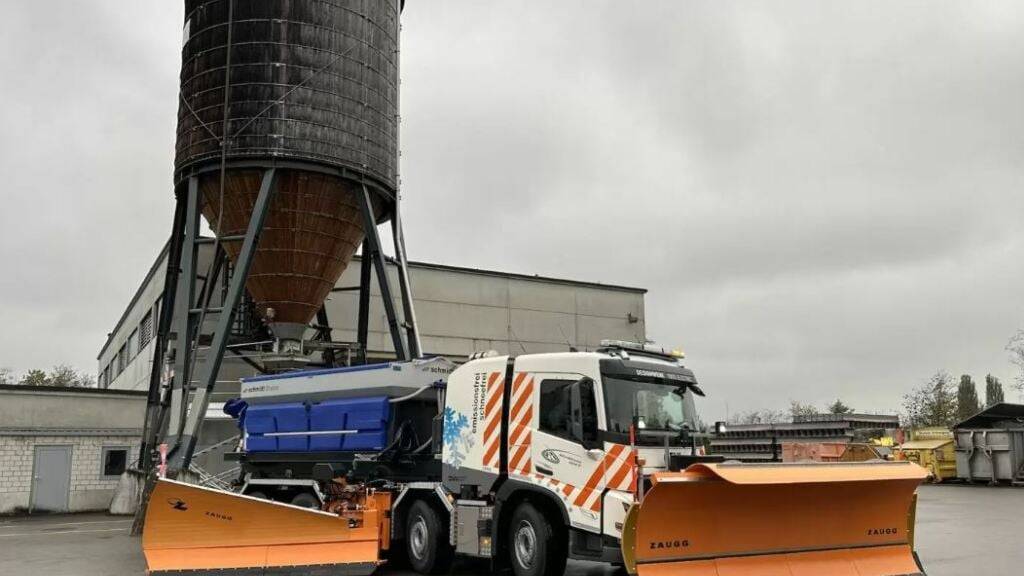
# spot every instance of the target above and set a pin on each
(191, 528)
(837, 519)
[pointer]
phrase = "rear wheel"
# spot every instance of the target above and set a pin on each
(426, 539)
(533, 545)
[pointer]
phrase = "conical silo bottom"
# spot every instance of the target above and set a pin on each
(310, 234)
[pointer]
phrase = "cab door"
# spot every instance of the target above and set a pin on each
(553, 441)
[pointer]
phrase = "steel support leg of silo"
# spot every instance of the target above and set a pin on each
(185, 294)
(411, 330)
(182, 456)
(363, 320)
(155, 400)
(376, 253)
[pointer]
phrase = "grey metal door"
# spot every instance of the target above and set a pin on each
(51, 479)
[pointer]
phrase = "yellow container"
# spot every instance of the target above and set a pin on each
(936, 455)
(931, 433)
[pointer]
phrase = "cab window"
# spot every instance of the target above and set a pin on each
(558, 412)
(555, 406)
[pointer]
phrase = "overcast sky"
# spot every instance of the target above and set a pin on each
(823, 198)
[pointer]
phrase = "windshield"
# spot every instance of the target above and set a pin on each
(658, 405)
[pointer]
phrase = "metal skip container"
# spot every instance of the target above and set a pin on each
(990, 445)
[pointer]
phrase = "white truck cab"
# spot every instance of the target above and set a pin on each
(567, 433)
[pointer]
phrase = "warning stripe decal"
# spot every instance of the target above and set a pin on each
(520, 416)
(492, 419)
(599, 471)
(622, 479)
(522, 398)
(614, 472)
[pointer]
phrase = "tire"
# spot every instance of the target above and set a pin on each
(306, 500)
(535, 549)
(426, 539)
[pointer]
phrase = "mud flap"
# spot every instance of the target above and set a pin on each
(191, 528)
(841, 519)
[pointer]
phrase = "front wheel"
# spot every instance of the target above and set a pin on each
(426, 539)
(533, 545)
(306, 500)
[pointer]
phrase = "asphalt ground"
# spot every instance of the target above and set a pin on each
(961, 530)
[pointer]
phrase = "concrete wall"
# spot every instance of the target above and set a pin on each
(89, 489)
(55, 409)
(462, 311)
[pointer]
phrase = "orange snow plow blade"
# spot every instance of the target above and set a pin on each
(839, 519)
(191, 528)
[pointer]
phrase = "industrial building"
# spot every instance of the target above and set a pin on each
(63, 449)
(459, 311)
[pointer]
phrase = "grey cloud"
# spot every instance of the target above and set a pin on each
(823, 197)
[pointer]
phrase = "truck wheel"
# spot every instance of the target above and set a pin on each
(306, 500)
(426, 539)
(534, 547)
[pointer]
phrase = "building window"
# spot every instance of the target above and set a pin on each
(114, 461)
(133, 344)
(122, 359)
(145, 330)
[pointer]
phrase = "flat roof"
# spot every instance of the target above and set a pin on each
(993, 415)
(850, 417)
(528, 277)
(412, 264)
(71, 390)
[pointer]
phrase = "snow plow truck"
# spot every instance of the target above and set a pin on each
(523, 461)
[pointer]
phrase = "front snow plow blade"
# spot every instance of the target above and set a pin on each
(191, 529)
(836, 519)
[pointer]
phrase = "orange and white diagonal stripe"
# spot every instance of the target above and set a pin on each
(520, 416)
(492, 419)
(615, 472)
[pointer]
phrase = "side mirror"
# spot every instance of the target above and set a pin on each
(720, 428)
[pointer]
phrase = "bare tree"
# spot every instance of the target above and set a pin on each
(34, 378)
(796, 408)
(758, 417)
(7, 376)
(1016, 349)
(62, 375)
(933, 403)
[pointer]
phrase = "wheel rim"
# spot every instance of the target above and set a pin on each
(418, 538)
(525, 544)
